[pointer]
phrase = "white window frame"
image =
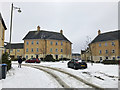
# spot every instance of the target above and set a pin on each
(50, 49)
(56, 50)
(106, 44)
(26, 49)
(56, 43)
(51, 43)
(32, 42)
(37, 42)
(27, 42)
(37, 49)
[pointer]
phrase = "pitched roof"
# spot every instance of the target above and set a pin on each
(75, 54)
(83, 51)
(2, 21)
(113, 35)
(15, 46)
(45, 35)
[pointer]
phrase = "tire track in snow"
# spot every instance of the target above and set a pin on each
(76, 77)
(60, 81)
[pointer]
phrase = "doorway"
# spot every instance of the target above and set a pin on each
(36, 56)
(56, 57)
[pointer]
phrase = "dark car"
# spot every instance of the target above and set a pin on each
(32, 60)
(77, 64)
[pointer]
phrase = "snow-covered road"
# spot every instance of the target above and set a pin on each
(105, 76)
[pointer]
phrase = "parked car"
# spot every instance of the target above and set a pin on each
(77, 64)
(32, 60)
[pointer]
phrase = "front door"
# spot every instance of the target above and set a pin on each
(56, 56)
(36, 56)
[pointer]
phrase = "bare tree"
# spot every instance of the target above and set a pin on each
(87, 42)
(88, 45)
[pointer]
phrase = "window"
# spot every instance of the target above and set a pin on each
(106, 58)
(56, 43)
(27, 43)
(37, 50)
(113, 51)
(99, 44)
(31, 56)
(26, 56)
(113, 58)
(11, 50)
(32, 42)
(100, 58)
(61, 50)
(106, 51)
(113, 44)
(61, 43)
(27, 50)
(37, 42)
(51, 43)
(105, 44)
(17, 56)
(100, 52)
(56, 50)
(31, 49)
(18, 50)
(51, 50)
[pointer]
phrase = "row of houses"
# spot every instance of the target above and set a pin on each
(2, 36)
(39, 43)
(106, 46)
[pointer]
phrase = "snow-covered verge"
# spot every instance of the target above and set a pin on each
(27, 77)
(105, 76)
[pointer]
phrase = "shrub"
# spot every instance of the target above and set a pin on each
(14, 59)
(23, 59)
(41, 59)
(97, 62)
(110, 61)
(65, 59)
(88, 60)
(49, 58)
(6, 61)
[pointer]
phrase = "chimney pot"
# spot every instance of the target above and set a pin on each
(99, 32)
(61, 31)
(38, 28)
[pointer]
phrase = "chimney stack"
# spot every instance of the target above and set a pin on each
(99, 32)
(38, 28)
(61, 31)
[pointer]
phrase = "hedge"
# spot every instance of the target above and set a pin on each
(110, 61)
(6, 61)
(49, 58)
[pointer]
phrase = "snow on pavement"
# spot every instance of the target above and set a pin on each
(27, 77)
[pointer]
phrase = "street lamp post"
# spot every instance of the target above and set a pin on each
(12, 7)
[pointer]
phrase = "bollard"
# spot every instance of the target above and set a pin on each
(4, 71)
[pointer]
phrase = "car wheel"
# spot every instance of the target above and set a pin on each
(68, 66)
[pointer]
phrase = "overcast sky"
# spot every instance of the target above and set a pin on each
(77, 19)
